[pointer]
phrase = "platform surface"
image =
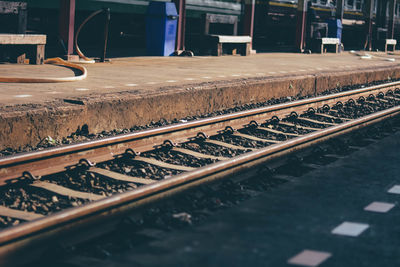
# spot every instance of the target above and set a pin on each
(142, 75)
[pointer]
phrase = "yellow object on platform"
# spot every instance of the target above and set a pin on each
(54, 61)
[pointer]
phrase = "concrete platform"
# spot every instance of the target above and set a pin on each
(135, 91)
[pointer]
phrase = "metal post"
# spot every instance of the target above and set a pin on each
(22, 18)
(105, 36)
(369, 8)
(381, 13)
(248, 21)
(301, 25)
(339, 9)
(180, 35)
(67, 24)
(392, 6)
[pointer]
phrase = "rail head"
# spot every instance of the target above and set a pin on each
(79, 147)
(106, 205)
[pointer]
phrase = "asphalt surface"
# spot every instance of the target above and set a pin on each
(272, 228)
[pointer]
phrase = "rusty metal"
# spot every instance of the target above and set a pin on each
(100, 150)
(105, 36)
(22, 236)
(16, 239)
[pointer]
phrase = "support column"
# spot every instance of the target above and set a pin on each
(369, 8)
(381, 14)
(248, 20)
(339, 9)
(67, 24)
(392, 7)
(180, 33)
(22, 18)
(301, 25)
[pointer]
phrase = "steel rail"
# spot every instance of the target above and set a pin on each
(24, 236)
(56, 159)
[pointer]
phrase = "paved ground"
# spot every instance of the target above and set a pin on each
(145, 74)
(300, 216)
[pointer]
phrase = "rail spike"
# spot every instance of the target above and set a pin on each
(228, 129)
(86, 162)
(131, 153)
(310, 110)
(275, 120)
(30, 176)
(168, 144)
(293, 115)
(252, 123)
(201, 136)
(339, 104)
(326, 107)
(351, 102)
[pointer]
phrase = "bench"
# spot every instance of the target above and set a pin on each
(390, 42)
(330, 41)
(38, 40)
(216, 41)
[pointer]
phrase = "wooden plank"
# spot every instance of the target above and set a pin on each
(256, 138)
(220, 18)
(316, 121)
(197, 154)
(276, 131)
(21, 58)
(19, 214)
(330, 41)
(22, 39)
(61, 190)
(39, 58)
(247, 49)
(391, 41)
(163, 164)
(232, 39)
(120, 176)
(223, 144)
(299, 126)
(332, 117)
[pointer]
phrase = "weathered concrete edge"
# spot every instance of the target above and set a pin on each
(27, 128)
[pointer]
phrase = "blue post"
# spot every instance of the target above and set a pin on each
(161, 25)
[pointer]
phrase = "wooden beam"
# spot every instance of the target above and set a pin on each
(67, 24)
(248, 22)
(181, 31)
(391, 25)
(369, 8)
(301, 25)
(22, 39)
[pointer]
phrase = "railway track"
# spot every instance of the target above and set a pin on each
(48, 194)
